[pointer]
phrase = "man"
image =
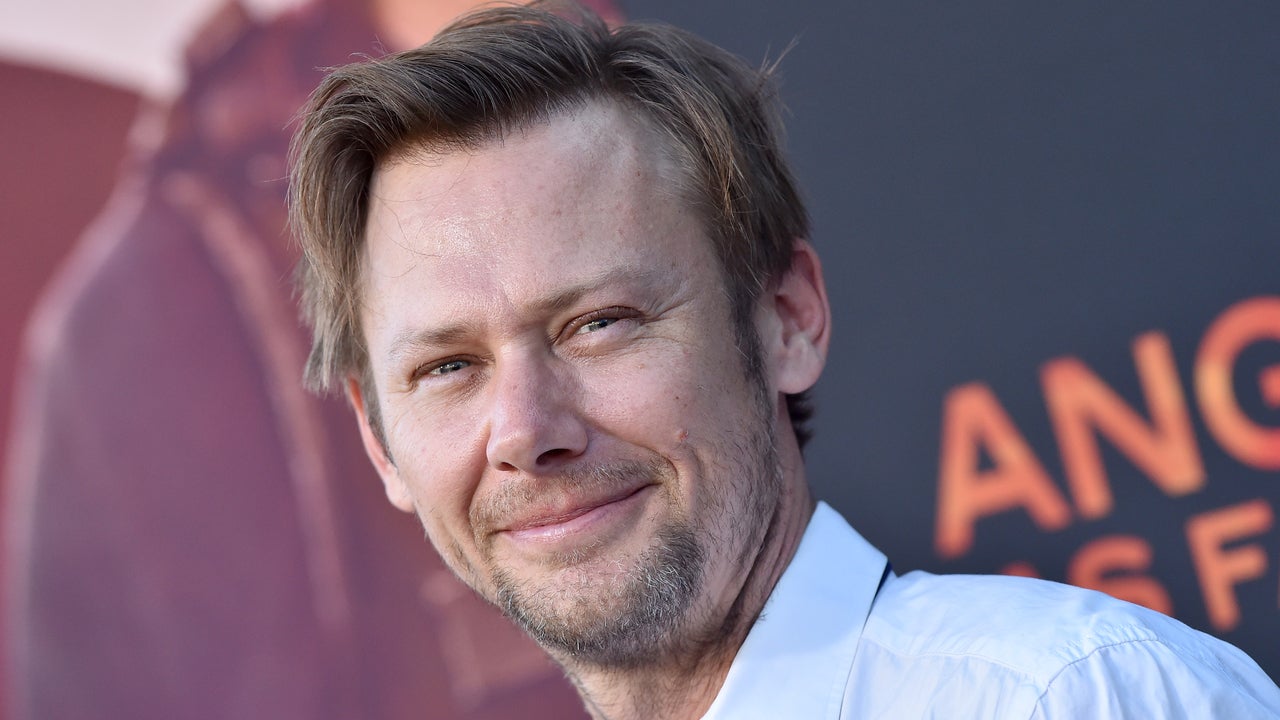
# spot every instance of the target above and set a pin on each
(562, 274)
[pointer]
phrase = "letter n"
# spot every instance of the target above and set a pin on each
(1080, 404)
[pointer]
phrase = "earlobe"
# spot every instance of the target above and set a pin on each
(804, 322)
(392, 484)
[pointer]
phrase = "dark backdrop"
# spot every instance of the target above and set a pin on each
(1007, 196)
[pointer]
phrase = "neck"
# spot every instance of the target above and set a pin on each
(684, 682)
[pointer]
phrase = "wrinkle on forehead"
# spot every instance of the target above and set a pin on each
(606, 142)
(385, 205)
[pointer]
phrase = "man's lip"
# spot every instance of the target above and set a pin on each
(562, 514)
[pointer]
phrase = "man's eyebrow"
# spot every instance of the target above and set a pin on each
(410, 340)
(628, 275)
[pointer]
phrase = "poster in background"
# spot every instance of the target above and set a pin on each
(1050, 235)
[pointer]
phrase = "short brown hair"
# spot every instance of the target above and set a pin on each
(498, 69)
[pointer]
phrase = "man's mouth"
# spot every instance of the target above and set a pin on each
(581, 517)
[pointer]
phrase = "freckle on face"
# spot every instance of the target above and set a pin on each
(665, 570)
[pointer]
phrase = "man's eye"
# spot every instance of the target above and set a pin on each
(597, 324)
(445, 368)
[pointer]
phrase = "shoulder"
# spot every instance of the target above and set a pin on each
(1034, 625)
(1048, 645)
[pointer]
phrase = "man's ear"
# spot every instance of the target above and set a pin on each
(397, 491)
(803, 330)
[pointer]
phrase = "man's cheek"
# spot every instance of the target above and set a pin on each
(443, 449)
(453, 539)
(638, 395)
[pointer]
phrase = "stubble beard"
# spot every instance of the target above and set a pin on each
(649, 610)
(617, 621)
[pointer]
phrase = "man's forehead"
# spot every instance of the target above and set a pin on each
(579, 178)
(601, 130)
(594, 164)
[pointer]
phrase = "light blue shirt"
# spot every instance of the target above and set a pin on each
(833, 642)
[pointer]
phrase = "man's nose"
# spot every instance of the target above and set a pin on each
(534, 420)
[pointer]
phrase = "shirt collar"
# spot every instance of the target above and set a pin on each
(796, 660)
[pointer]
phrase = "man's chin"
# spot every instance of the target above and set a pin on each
(594, 611)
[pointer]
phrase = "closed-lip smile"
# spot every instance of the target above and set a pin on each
(558, 522)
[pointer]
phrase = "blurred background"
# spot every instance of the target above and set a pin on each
(1052, 240)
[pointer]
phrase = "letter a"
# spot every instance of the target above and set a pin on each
(973, 417)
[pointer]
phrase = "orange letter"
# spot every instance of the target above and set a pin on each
(1080, 403)
(1221, 570)
(972, 416)
(1020, 568)
(1242, 324)
(1112, 565)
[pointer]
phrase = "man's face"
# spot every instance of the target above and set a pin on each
(564, 398)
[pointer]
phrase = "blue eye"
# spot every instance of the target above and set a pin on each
(448, 367)
(597, 324)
